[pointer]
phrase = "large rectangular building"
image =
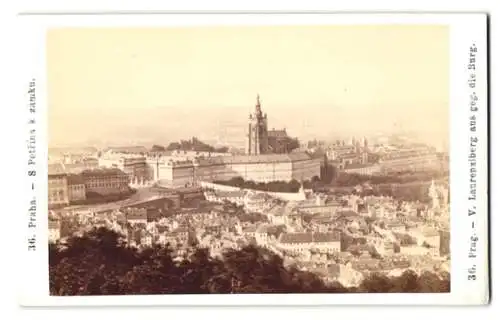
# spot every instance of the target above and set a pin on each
(57, 186)
(259, 168)
(133, 165)
(106, 181)
(76, 188)
(415, 160)
(306, 241)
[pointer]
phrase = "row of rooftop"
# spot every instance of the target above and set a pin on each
(61, 169)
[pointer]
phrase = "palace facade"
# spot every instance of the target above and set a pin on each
(259, 168)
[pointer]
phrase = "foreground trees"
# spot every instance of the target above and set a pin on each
(99, 263)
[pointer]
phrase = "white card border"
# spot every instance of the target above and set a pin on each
(464, 28)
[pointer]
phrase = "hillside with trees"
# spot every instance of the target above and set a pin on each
(194, 144)
(100, 263)
(344, 179)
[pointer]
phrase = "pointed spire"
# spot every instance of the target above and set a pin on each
(258, 111)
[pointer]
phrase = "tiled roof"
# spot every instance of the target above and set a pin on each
(263, 228)
(230, 194)
(103, 172)
(244, 159)
(311, 204)
(202, 161)
(298, 156)
(322, 216)
(350, 155)
(307, 237)
(180, 163)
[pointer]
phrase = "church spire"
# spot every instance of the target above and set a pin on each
(258, 111)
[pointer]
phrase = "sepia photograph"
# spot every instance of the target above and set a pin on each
(248, 159)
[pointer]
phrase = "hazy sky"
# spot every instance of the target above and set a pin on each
(122, 86)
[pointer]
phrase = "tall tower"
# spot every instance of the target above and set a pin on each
(433, 194)
(364, 150)
(257, 142)
(365, 143)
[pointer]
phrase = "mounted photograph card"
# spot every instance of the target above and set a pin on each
(255, 159)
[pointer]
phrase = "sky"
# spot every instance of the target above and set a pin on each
(128, 86)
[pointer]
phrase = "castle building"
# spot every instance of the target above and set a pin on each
(353, 157)
(267, 159)
(259, 168)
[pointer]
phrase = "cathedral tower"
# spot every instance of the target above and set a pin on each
(257, 142)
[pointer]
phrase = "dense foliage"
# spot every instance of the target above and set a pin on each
(194, 144)
(406, 186)
(99, 263)
(157, 148)
(343, 179)
(274, 186)
(283, 144)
